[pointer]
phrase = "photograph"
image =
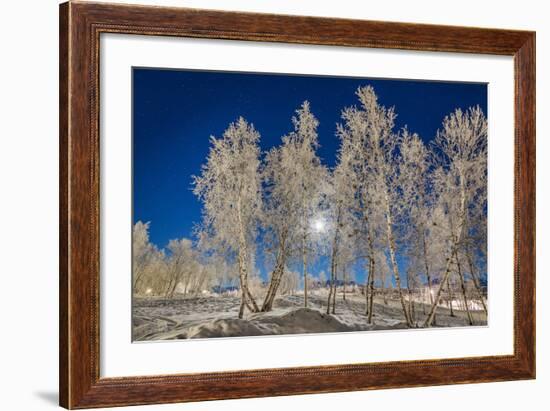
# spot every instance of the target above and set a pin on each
(272, 204)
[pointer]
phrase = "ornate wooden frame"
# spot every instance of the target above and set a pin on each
(80, 27)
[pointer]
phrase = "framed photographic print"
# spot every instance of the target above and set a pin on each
(257, 205)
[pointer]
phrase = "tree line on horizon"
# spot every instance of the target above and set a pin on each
(389, 199)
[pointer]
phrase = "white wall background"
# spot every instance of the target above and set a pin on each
(29, 191)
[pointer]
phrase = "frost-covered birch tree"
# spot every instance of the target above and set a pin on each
(296, 180)
(369, 131)
(414, 186)
(147, 260)
(230, 189)
(357, 187)
(280, 216)
(341, 224)
(460, 152)
(182, 266)
(311, 177)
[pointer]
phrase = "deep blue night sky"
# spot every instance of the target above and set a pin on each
(176, 111)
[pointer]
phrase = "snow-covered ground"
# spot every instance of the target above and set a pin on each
(216, 316)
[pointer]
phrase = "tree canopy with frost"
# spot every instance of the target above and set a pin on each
(460, 152)
(230, 189)
(296, 182)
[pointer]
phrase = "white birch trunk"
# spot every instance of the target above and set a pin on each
(395, 268)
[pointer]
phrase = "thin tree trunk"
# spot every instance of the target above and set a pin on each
(451, 296)
(276, 276)
(476, 282)
(247, 305)
(395, 268)
(332, 278)
(168, 288)
(409, 295)
(463, 287)
(344, 279)
(304, 268)
(428, 274)
(243, 276)
(137, 279)
(246, 296)
(367, 289)
(241, 307)
(371, 290)
(335, 287)
(174, 278)
(424, 304)
(333, 261)
(280, 268)
(456, 239)
(437, 298)
(330, 289)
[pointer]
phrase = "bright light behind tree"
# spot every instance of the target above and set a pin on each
(319, 225)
